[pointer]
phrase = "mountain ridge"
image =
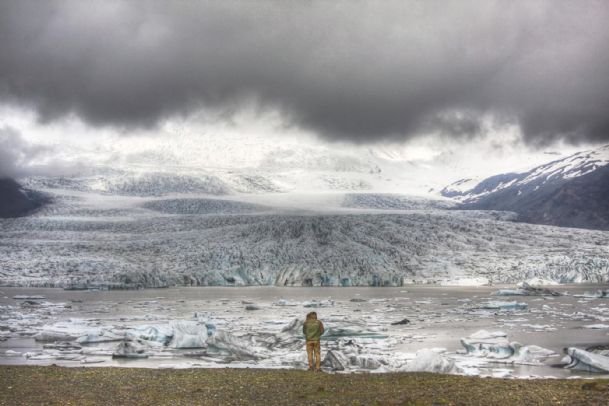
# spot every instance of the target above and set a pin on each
(568, 192)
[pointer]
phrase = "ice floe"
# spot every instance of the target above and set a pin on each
(428, 360)
(587, 361)
(505, 306)
(495, 345)
(128, 349)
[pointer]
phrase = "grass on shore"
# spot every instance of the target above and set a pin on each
(51, 385)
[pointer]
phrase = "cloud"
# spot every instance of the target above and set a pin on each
(347, 70)
(15, 153)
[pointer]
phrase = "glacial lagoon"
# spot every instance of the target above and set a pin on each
(464, 330)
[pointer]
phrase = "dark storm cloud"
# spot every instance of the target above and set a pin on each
(363, 71)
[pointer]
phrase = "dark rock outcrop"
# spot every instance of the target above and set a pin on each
(16, 201)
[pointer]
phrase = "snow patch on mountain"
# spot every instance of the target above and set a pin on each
(573, 166)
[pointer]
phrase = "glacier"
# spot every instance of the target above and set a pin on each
(91, 241)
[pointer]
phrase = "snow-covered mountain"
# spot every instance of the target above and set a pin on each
(572, 192)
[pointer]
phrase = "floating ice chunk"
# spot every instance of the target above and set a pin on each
(92, 361)
(527, 290)
(599, 294)
(38, 356)
(334, 332)
(225, 343)
(365, 362)
(62, 346)
(541, 282)
(320, 303)
(128, 349)
(400, 322)
(286, 302)
(31, 297)
(507, 306)
(99, 337)
(11, 353)
(252, 307)
(539, 327)
(587, 361)
(476, 281)
(432, 361)
(158, 333)
(488, 344)
(597, 326)
(69, 357)
(530, 353)
(189, 334)
(496, 345)
(510, 292)
(50, 335)
(335, 360)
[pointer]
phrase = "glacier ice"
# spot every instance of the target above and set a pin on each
(506, 306)
(488, 344)
(188, 334)
(51, 335)
(495, 345)
(587, 361)
(161, 334)
(129, 349)
(99, 337)
(432, 361)
(122, 245)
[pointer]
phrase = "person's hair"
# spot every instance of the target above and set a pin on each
(312, 316)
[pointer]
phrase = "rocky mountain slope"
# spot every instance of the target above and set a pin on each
(569, 192)
(16, 201)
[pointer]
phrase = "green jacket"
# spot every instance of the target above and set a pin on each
(312, 330)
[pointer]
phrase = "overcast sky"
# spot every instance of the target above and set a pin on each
(361, 72)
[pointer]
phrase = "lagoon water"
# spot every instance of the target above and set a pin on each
(358, 319)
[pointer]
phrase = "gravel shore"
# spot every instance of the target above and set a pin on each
(51, 385)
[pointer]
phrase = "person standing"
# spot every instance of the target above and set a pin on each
(313, 329)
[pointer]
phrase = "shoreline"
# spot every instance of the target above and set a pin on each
(28, 385)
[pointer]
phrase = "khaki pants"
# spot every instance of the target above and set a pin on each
(314, 347)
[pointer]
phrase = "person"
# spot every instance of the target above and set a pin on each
(313, 330)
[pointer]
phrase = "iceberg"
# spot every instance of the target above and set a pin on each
(597, 326)
(488, 344)
(30, 297)
(365, 362)
(432, 361)
(286, 302)
(599, 294)
(128, 349)
(49, 335)
(320, 303)
(587, 361)
(510, 292)
(225, 343)
(530, 354)
(335, 361)
(540, 282)
(189, 334)
(159, 333)
(401, 322)
(62, 346)
(99, 337)
(506, 306)
(497, 346)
